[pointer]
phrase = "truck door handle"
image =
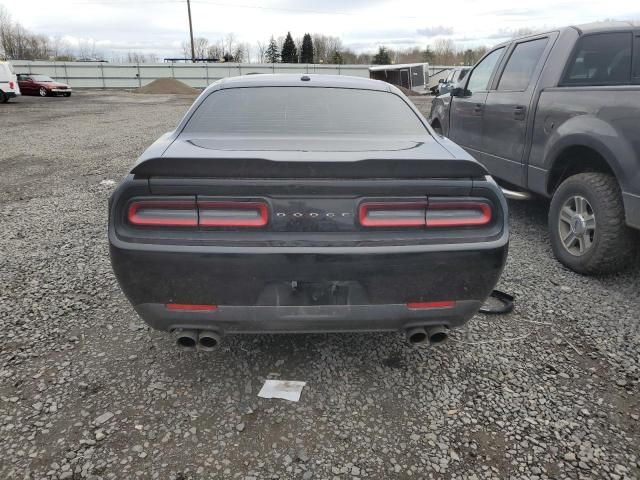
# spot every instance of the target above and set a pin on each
(519, 112)
(477, 108)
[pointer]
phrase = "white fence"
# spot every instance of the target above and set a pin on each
(198, 75)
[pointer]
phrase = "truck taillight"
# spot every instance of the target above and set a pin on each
(434, 213)
(163, 213)
(12, 85)
(232, 214)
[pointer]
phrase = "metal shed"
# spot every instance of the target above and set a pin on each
(412, 76)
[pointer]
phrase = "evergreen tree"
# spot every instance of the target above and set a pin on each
(289, 50)
(272, 55)
(337, 58)
(382, 57)
(306, 52)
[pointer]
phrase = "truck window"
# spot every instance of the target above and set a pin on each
(522, 62)
(481, 74)
(600, 59)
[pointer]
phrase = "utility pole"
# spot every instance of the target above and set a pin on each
(193, 51)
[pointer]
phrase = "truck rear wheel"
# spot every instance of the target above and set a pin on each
(4, 98)
(587, 225)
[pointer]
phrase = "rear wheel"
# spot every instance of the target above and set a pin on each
(587, 224)
(43, 92)
(4, 98)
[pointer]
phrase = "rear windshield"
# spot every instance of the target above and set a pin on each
(304, 111)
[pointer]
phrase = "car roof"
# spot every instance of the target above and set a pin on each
(296, 80)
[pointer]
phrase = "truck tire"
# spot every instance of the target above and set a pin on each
(587, 225)
(3, 98)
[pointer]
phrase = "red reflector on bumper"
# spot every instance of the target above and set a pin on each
(428, 305)
(186, 307)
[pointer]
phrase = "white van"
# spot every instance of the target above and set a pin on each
(8, 82)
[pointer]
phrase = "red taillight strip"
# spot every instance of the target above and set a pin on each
(187, 207)
(429, 305)
(367, 221)
(462, 217)
(259, 208)
(187, 307)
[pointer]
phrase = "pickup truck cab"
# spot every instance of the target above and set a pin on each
(558, 114)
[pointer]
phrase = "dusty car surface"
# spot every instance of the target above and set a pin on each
(42, 85)
(288, 203)
(558, 114)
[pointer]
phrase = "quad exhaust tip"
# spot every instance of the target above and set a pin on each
(191, 340)
(429, 335)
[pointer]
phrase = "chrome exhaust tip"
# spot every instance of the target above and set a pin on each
(437, 334)
(417, 336)
(186, 339)
(208, 340)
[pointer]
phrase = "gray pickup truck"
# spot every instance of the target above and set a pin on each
(558, 114)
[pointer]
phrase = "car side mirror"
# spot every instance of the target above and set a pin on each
(441, 80)
(457, 92)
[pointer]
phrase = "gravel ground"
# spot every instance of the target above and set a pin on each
(88, 391)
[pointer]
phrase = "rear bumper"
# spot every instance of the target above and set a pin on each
(242, 285)
(309, 319)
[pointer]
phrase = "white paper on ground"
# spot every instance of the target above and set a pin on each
(285, 389)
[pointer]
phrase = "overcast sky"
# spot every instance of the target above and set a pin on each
(160, 26)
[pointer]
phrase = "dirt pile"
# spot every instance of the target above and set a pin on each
(167, 85)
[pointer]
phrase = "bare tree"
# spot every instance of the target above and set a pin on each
(262, 48)
(445, 51)
(201, 47)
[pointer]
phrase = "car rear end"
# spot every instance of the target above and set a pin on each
(9, 87)
(267, 233)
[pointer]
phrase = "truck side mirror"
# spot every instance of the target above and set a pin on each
(457, 92)
(441, 80)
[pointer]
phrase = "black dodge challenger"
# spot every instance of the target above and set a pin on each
(289, 203)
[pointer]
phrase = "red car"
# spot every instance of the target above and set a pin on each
(42, 85)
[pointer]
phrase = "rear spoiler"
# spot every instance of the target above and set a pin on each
(263, 168)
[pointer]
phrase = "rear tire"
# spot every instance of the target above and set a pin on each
(587, 225)
(3, 97)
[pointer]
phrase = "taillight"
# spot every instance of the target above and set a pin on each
(12, 85)
(189, 213)
(442, 213)
(233, 214)
(392, 214)
(434, 213)
(163, 213)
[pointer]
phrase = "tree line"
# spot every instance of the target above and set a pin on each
(16, 42)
